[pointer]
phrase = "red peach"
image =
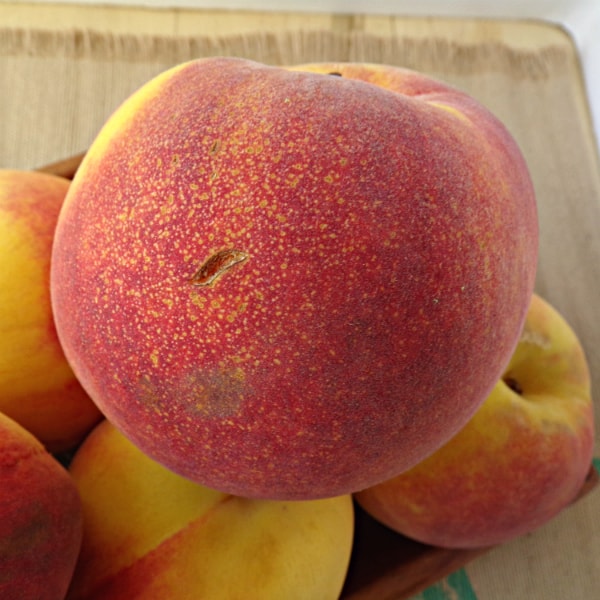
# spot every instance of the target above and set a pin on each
(40, 519)
(287, 284)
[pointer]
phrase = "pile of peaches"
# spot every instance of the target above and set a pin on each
(270, 295)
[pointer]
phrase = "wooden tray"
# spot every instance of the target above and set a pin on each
(528, 74)
(384, 565)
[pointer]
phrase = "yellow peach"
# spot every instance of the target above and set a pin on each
(37, 386)
(152, 534)
(519, 461)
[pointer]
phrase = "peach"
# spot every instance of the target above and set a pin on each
(287, 284)
(40, 518)
(37, 387)
(519, 461)
(149, 533)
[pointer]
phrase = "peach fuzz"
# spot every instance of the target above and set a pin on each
(37, 387)
(290, 285)
(149, 533)
(40, 519)
(521, 459)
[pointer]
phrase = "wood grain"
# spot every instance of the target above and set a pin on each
(191, 22)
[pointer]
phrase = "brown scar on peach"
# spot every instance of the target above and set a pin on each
(216, 265)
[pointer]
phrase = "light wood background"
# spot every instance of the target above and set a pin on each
(56, 89)
(184, 22)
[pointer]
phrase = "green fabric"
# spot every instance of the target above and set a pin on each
(456, 586)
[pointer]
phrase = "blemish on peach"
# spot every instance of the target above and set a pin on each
(216, 265)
